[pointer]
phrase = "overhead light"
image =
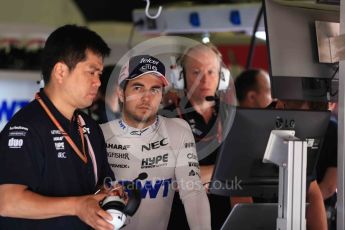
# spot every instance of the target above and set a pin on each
(261, 35)
(205, 38)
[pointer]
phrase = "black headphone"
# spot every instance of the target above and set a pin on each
(178, 73)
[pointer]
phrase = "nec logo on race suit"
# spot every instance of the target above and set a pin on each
(150, 188)
(155, 162)
(8, 109)
(154, 145)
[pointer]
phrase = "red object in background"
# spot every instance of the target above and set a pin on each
(238, 54)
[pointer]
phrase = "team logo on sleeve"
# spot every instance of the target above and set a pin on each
(193, 164)
(192, 156)
(189, 145)
(193, 173)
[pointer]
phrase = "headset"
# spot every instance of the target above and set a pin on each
(117, 207)
(177, 71)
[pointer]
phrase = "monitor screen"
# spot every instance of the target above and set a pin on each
(295, 70)
(239, 169)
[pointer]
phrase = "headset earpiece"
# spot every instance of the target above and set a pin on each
(179, 82)
(224, 78)
(115, 206)
(134, 202)
(177, 77)
(177, 72)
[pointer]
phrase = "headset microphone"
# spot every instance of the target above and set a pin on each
(117, 207)
(210, 98)
(141, 176)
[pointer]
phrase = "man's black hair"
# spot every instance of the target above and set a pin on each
(245, 82)
(68, 44)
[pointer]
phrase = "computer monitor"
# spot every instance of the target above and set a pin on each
(239, 169)
(295, 70)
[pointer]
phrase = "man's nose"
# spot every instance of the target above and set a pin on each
(146, 95)
(97, 82)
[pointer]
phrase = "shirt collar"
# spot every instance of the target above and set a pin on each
(57, 114)
(135, 132)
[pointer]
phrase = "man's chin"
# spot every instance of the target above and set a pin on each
(85, 106)
(144, 118)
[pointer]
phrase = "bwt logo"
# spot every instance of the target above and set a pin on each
(8, 109)
(150, 187)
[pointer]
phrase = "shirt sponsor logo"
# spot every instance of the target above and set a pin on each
(147, 67)
(15, 143)
(55, 132)
(59, 145)
(189, 145)
(154, 145)
(62, 155)
(193, 164)
(17, 134)
(122, 166)
(192, 156)
(58, 138)
(86, 130)
(155, 162)
(150, 189)
(122, 126)
(138, 132)
(115, 146)
(149, 60)
(18, 128)
(124, 156)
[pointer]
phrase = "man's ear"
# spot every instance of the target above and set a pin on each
(120, 95)
(251, 95)
(60, 71)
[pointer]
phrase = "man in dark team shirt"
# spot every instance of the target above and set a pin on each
(53, 157)
(201, 71)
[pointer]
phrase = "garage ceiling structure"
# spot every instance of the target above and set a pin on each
(114, 10)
